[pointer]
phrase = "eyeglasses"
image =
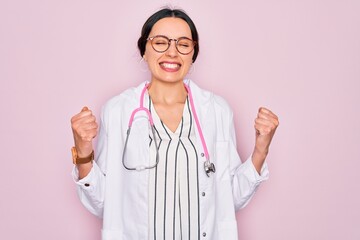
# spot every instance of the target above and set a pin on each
(162, 43)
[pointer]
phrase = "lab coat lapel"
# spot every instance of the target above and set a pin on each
(202, 102)
(205, 112)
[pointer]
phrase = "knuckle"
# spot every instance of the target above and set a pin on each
(83, 135)
(274, 124)
(74, 119)
(75, 126)
(264, 110)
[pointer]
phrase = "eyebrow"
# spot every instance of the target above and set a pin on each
(161, 35)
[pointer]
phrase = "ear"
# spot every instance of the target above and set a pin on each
(144, 57)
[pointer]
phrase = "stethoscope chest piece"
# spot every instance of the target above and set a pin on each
(209, 167)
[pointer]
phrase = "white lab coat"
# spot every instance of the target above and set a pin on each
(120, 196)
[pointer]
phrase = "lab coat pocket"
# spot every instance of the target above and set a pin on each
(228, 230)
(112, 235)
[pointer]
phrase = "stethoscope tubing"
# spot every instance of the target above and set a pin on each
(208, 166)
(206, 152)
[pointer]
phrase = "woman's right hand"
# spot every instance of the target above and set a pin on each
(84, 129)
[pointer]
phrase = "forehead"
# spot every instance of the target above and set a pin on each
(171, 27)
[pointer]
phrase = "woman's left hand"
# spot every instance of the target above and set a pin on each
(266, 123)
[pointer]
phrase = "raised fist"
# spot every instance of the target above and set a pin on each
(266, 123)
(84, 129)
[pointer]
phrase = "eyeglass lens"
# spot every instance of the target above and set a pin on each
(161, 44)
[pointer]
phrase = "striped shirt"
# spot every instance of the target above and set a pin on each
(174, 184)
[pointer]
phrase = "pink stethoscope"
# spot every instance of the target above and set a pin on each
(208, 166)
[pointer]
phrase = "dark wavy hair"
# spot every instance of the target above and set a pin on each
(163, 13)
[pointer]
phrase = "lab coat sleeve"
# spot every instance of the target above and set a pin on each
(91, 189)
(245, 178)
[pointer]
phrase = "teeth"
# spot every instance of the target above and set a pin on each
(170, 65)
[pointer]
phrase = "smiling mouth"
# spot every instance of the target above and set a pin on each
(170, 66)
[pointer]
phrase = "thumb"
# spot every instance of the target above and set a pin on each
(84, 109)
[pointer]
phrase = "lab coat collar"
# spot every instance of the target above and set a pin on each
(201, 98)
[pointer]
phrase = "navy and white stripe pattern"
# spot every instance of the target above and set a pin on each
(173, 184)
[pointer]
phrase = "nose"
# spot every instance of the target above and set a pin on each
(172, 51)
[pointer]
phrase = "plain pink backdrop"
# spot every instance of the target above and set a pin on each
(299, 58)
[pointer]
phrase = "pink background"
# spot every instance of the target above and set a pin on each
(299, 58)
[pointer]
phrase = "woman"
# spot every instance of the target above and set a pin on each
(161, 182)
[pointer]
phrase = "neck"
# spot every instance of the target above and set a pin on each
(167, 93)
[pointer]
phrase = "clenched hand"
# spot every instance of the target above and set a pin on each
(266, 124)
(84, 129)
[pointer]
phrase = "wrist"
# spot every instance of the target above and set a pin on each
(258, 159)
(82, 153)
(260, 154)
(81, 159)
(83, 149)
(84, 169)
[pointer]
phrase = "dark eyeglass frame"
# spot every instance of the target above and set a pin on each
(169, 43)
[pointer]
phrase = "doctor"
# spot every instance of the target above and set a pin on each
(177, 173)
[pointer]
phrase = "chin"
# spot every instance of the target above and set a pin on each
(169, 79)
